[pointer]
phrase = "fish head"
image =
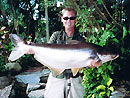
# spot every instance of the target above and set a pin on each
(106, 56)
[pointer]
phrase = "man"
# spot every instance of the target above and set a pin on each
(65, 85)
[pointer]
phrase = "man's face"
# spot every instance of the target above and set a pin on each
(68, 19)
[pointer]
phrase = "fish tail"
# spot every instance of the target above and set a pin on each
(19, 49)
(16, 40)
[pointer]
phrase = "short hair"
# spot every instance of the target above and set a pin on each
(68, 9)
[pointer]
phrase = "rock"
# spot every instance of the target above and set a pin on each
(119, 93)
(28, 84)
(43, 79)
(18, 90)
(128, 82)
(44, 75)
(5, 92)
(32, 77)
(36, 94)
(15, 67)
(33, 87)
(5, 81)
(45, 72)
(116, 94)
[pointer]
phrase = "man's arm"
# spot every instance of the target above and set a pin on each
(53, 37)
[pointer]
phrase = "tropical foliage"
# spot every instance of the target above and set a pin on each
(103, 22)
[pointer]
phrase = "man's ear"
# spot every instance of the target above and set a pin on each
(61, 18)
(76, 20)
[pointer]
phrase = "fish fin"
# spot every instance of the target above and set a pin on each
(96, 63)
(19, 49)
(56, 71)
(16, 40)
(74, 42)
(16, 54)
(75, 71)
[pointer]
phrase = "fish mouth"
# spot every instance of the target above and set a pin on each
(116, 56)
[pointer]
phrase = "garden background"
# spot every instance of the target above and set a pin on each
(102, 22)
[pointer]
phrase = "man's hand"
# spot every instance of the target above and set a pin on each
(30, 51)
(95, 64)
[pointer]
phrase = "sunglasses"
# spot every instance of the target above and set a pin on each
(71, 18)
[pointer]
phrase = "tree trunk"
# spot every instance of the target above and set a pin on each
(47, 23)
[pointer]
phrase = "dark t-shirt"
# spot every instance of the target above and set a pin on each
(60, 37)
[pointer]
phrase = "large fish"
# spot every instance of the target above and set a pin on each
(58, 57)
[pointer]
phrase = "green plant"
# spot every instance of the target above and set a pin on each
(5, 48)
(102, 31)
(26, 61)
(104, 22)
(97, 82)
